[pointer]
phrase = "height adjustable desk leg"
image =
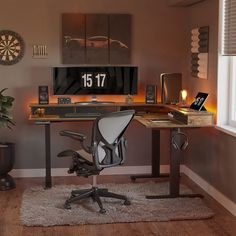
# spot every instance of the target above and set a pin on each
(174, 187)
(155, 158)
(48, 177)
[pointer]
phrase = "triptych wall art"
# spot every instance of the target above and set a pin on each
(199, 52)
(96, 38)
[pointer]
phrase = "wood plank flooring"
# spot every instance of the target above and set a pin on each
(223, 223)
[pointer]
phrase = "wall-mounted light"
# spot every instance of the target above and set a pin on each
(183, 98)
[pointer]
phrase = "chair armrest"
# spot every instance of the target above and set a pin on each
(77, 136)
(123, 149)
(74, 135)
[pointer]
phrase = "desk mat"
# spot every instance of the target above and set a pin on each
(45, 207)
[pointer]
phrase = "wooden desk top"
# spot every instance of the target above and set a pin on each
(149, 121)
(185, 111)
(166, 123)
(182, 117)
(55, 118)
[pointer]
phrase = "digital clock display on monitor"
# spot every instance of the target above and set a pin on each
(94, 80)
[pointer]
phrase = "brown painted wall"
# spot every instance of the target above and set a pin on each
(204, 14)
(157, 46)
(211, 153)
(160, 43)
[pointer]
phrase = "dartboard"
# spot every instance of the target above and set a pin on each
(11, 47)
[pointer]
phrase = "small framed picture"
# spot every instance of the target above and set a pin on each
(200, 99)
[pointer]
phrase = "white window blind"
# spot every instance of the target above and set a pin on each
(229, 28)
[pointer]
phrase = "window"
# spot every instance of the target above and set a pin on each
(232, 92)
(228, 27)
(226, 117)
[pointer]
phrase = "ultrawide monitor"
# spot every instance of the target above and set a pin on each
(95, 80)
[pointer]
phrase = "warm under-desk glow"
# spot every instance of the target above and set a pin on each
(140, 97)
(107, 98)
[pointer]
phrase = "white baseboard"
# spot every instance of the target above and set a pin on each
(213, 192)
(132, 170)
(120, 170)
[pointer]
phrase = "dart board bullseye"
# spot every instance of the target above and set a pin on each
(11, 47)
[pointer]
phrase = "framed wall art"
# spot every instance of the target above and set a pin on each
(96, 38)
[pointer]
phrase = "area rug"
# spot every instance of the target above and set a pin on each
(45, 207)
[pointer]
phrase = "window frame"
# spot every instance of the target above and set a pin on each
(232, 91)
(226, 78)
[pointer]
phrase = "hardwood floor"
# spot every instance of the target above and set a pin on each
(223, 223)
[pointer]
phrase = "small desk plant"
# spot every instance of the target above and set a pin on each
(7, 153)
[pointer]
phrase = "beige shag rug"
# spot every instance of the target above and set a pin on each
(45, 207)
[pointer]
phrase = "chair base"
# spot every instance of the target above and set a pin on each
(6, 182)
(95, 193)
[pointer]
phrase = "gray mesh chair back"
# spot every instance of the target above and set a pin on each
(107, 138)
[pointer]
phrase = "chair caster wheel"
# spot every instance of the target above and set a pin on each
(67, 206)
(102, 211)
(133, 178)
(127, 202)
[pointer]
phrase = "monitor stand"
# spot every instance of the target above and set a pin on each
(203, 109)
(94, 101)
(94, 98)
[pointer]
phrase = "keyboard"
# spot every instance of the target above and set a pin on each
(81, 115)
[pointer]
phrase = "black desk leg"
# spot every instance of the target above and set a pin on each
(174, 189)
(155, 158)
(48, 177)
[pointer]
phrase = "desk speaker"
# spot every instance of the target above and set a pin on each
(151, 94)
(43, 95)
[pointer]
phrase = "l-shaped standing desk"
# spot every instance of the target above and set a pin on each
(152, 116)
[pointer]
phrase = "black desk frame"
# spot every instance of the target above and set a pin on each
(48, 175)
(155, 159)
(174, 188)
(155, 156)
(174, 154)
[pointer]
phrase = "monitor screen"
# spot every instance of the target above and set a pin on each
(96, 80)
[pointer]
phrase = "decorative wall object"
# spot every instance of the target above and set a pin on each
(96, 38)
(199, 52)
(73, 38)
(40, 51)
(120, 38)
(11, 47)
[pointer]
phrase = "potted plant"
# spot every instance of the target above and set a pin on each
(7, 153)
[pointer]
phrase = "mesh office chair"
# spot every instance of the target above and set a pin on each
(107, 149)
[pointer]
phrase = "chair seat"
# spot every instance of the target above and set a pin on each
(85, 155)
